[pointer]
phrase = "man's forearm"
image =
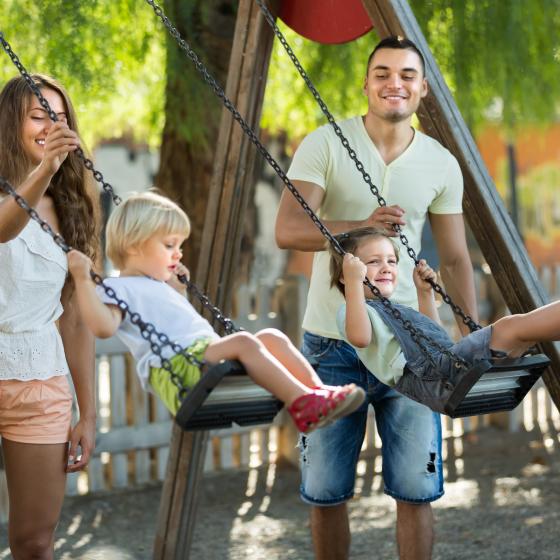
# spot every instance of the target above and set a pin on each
(304, 235)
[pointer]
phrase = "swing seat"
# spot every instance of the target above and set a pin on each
(488, 386)
(226, 395)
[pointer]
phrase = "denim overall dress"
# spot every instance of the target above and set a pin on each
(430, 379)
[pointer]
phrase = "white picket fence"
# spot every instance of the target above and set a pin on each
(134, 428)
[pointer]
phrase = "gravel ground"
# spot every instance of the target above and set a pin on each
(502, 501)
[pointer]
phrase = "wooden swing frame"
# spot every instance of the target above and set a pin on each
(232, 184)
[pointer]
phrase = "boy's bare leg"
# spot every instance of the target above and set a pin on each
(330, 530)
(280, 346)
(260, 364)
(516, 333)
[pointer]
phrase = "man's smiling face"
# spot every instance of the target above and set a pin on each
(395, 84)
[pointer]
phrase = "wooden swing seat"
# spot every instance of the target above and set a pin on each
(495, 385)
(226, 395)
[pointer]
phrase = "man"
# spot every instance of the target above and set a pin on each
(418, 178)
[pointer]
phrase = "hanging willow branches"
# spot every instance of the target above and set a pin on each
(107, 53)
(500, 59)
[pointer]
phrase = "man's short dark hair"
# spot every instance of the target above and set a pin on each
(395, 42)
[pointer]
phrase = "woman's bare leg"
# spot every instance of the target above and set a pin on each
(280, 346)
(36, 484)
(516, 333)
(266, 370)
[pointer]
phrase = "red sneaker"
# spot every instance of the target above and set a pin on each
(324, 405)
(354, 398)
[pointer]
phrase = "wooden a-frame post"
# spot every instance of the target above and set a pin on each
(230, 187)
(486, 215)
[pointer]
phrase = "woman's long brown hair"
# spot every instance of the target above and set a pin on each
(72, 188)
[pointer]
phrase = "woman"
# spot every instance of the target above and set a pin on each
(42, 337)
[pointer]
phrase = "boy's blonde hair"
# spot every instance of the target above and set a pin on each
(350, 241)
(138, 218)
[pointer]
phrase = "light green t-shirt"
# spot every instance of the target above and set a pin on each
(425, 177)
(383, 356)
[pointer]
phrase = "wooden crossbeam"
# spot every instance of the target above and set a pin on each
(485, 212)
(230, 189)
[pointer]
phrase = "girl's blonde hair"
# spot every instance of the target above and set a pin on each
(138, 218)
(349, 242)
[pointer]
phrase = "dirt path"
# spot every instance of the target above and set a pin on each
(502, 501)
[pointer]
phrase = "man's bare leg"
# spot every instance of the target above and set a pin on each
(330, 530)
(415, 531)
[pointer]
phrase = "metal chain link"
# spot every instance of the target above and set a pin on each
(227, 323)
(158, 340)
(416, 335)
(467, 319)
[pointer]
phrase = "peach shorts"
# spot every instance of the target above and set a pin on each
(37, 411)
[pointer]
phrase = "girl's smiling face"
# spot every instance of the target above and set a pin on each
(382, 264)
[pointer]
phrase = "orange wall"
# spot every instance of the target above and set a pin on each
(533, 147)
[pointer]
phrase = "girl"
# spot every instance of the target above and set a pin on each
(42, 337)
(368, 325)
(144, 239)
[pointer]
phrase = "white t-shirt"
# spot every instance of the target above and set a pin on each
(33, 271)
(383, 356)
(159, 304)
(425, 177)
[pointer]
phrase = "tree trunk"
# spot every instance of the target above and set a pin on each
(192, 111)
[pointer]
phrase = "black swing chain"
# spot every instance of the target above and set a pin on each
(227, 324)
(467, 319)
(416, 335)
(157, 340)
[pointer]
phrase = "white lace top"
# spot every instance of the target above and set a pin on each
(32, 273)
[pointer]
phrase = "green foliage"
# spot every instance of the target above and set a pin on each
(501, 60)
(337, 72)
(110, 55)
(490, 51)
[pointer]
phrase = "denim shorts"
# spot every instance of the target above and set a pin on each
(410, 433)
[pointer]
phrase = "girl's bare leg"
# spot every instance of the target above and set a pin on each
(266, 370)
(516, 333)
(280, 346)
(36, 483)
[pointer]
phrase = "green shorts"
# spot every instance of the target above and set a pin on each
(160, 378)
